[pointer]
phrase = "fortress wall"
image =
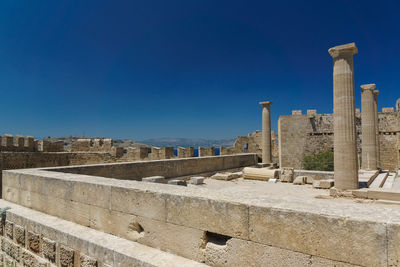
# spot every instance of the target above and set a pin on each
(305, 135)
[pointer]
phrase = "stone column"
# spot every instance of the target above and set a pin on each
(378, 147)
(266, 133)
(345, 143)
(368, 127)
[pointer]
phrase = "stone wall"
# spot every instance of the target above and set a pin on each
(35, 239)
(305, 135)
(167, 168)
(212, 227)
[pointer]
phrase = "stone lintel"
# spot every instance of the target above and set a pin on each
(342, 49)
(370, 86)
(265, 103)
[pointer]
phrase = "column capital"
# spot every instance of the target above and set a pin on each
(265, 103)
(376, 92)
(336, 51)
(370, 86)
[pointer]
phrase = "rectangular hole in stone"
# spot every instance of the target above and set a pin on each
(217, 239)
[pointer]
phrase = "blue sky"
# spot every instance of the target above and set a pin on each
(198, 68)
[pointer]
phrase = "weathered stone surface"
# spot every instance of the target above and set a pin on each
(197, 180)
(9, 229)
(226, 176)
(323, 184)
(154, 179)
(345, 141)
(300, 180)
(287, 175)
(178, 182)
(266, 132)
(49, 249)
(66, 256)
(87, 261)
(33, 242)
(19, 235)
(262, 174)
(324, 236)
(10, 249)
(368, 120)
(215, 216)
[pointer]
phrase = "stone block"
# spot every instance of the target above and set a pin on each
(177, 182)
(49, 249)
(216, 216)
(393, 234)
(323, 184)
(133, 201)
(296, 112)
(66, 256)
(154, 179)
(10, 248)
(92, 194)
(334, 238)
(33, 242)
(28, 259)
(300, 180)
(19, 233)
(326, 184)
(309, 180)
(360, 193)
(226, 176)
(287, 175)
(9, 229)
(197, 180)
(86, 261)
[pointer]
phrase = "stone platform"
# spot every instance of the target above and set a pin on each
(220, 223)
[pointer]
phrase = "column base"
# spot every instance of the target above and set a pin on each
(335, 192)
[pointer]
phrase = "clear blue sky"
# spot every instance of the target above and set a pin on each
(190, 68)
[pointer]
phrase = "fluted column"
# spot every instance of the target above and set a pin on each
(368, 127)
(345, 143)
(378, 146)
(266, 133)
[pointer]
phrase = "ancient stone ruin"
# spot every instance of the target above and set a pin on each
(255, 204)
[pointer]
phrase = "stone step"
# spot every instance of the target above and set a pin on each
(389, 181)
(379, 180)
(396, 183)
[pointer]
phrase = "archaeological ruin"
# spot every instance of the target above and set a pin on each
(96, 204)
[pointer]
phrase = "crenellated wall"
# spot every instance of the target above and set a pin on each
(21, 143)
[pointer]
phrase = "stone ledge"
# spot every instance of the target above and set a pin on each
(104, 247)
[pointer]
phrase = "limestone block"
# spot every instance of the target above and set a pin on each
(49, 249)
(216, 216)
(87, 261)
(10, 249)
(137, 202)
(154, 179)
(393, 234)
(309, 180)
(323, 184)
(9, 229)
(287, 175)
(93, 194)
(311, 112)
(296, 112)
(300, 180)
(360, 193)
(33, 242)
(259, 173)
(66, 256)
(226, 176)
(28, 259)
(350, 240)
(178, 182)
(237, 252)
(19, 235)
(197, 180)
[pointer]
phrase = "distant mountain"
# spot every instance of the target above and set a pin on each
(186, 142)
